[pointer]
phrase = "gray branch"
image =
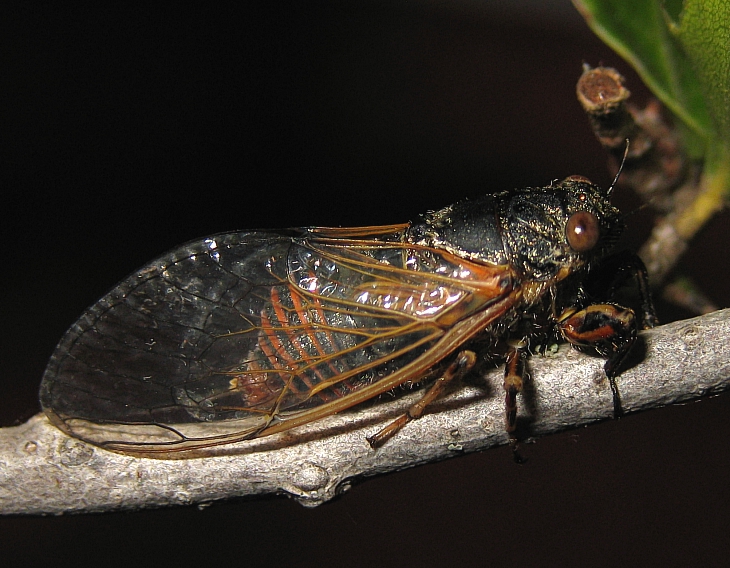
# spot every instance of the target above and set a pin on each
(43, 471)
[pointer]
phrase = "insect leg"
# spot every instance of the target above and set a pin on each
(461, 365)
(514, 373)
(623, 266)
(609, 329)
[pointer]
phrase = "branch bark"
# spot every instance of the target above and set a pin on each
(43, 471)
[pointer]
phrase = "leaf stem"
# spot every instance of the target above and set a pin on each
(710, 199)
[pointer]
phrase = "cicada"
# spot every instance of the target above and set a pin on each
(247, 334)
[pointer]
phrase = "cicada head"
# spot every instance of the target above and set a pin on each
(553, 231)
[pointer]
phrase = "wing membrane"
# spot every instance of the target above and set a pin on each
(244, 334)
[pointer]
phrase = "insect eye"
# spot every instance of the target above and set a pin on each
(582, 231)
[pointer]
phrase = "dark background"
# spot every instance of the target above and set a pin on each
(128, 132)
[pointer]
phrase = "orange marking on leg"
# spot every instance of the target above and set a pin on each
(592, 336)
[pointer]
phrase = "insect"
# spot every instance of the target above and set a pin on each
(246, 334)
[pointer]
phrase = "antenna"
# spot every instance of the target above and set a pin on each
(620, 169)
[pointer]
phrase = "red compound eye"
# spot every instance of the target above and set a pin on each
(582, 231)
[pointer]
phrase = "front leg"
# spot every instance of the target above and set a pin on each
(619, 269)
(609, 329)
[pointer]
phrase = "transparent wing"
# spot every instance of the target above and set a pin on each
(244, 334)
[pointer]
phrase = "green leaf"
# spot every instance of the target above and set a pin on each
(639, 31)
(703, 29)
(681, 50)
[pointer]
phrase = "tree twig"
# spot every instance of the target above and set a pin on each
(656, 165)
(42, 471)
